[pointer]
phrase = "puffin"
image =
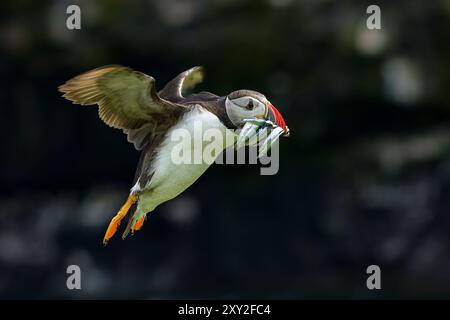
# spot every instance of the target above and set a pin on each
(128, 100)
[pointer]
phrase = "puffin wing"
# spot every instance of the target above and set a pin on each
(127, 100)
(178, 86)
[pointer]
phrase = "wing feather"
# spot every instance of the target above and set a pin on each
(127, 99)
(185, 81)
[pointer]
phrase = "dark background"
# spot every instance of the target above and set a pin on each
(364, 178)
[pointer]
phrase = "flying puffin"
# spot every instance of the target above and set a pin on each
(128, 100)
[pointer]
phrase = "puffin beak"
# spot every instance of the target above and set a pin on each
(279, 129)
(277, 118)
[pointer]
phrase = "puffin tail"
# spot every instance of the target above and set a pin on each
(115, 222)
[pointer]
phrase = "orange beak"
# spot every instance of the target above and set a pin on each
(278, 119)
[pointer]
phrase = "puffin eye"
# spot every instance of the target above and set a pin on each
(249, 105)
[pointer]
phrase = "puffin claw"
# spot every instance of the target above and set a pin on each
(115, 221)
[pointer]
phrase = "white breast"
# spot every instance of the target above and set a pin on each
(169, 178)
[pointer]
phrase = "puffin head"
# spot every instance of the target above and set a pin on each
(246, 104)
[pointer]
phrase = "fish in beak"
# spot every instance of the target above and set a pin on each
(264, 131)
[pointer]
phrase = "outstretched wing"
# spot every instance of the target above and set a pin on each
(178, 86)
(127, 100)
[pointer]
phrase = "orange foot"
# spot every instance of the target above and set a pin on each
(115, 222)
(138, 225)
